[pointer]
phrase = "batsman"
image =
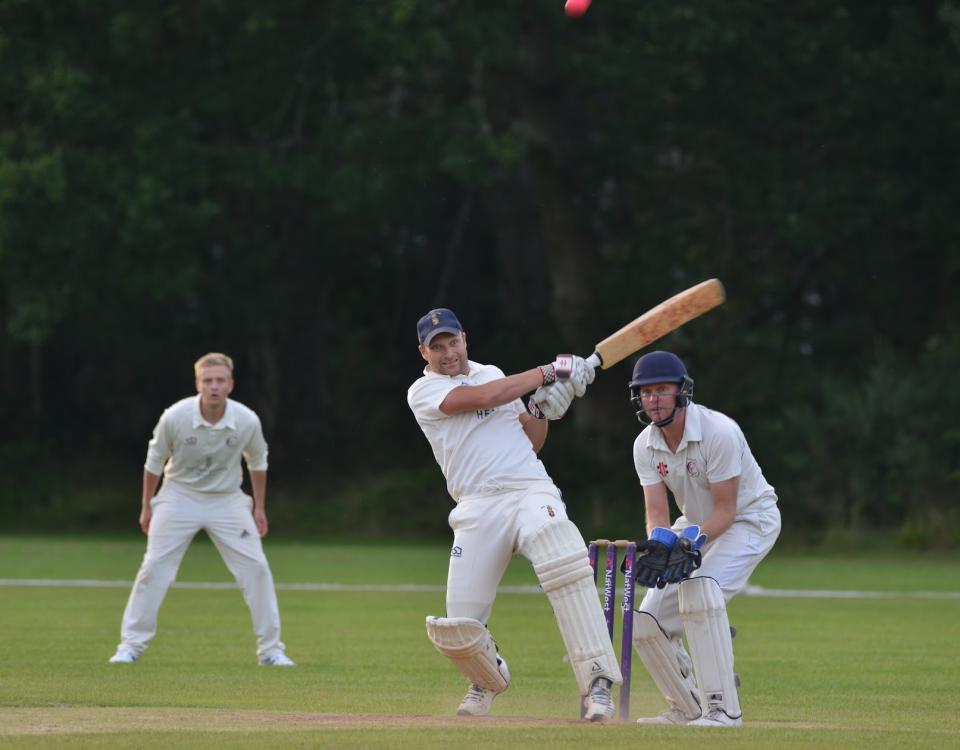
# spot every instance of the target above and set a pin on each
(486, 443)
(729, 521)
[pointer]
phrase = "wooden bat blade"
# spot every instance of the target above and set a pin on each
(660, 320)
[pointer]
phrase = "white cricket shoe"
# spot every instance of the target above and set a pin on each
(123, 656)
(670, 718)
(278, 659)
(716, 717)
(599, 701)
(476, 702)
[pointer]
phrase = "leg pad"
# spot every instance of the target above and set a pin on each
(704, 613)
(559, 557)
(471, 648)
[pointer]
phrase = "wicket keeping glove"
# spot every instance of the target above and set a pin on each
(685, 556)
(652, 556)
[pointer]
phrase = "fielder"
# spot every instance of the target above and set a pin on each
(197, 445)
(729, 523)
(486, 444)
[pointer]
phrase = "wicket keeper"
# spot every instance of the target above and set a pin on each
(729, 521)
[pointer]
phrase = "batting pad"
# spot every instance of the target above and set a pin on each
(471, 648)
(704, 614)
(668, 664)
(559, 557)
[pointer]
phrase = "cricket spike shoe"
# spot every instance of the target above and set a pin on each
(476, 702)
(279, 659)
(672, 717)
(599, 701)
(716, 717)
(123, 656)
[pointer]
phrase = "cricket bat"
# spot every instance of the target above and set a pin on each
(657, 322)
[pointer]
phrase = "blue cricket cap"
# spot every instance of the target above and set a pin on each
(437, 321)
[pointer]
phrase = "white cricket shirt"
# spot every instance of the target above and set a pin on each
(478, 451)
(202, 457)
(712, 449)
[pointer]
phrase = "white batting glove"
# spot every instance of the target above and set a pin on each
(568, 367)
(553, 400)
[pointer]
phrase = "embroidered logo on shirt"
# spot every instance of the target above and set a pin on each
(483, 413)
(232, 440)
(549, 509)
(456, 552)
(191, 440)
(662, 469)
(692, 469)
(245, 534)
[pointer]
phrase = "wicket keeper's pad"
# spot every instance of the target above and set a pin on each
(469, 645)
(560, 560)
(668, 664)
(704, 614)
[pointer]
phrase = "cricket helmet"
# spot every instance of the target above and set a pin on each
(660, 367)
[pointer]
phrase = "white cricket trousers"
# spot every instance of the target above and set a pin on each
(487, 531)
(228, 521)
(730, 559)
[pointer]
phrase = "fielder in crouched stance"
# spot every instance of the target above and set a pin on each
(729, 523)
(486, 443)
(197, 446)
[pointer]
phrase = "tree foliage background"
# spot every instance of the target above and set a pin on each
(295, 183)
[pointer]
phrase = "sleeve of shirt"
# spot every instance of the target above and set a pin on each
(426, 395)
(723, 451)
(160, 447)
(643, 463)
(255, 451)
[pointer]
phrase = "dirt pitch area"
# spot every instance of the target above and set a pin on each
(53, 720)
(90, 720)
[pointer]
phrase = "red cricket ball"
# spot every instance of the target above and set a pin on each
(576, 8)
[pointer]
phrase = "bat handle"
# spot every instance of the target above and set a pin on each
(595, 360)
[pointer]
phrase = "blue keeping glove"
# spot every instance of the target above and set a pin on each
(684, 556)
(652, 556)
(697, 540)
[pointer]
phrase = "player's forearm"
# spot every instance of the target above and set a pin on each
(535, 429)
(258, 482)
(724, 507)
(493, 394)
(720, 520)
(150, 483)
(656, 507)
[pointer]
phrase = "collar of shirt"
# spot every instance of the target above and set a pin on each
(472, 369)
(692, 432)
(226, 422)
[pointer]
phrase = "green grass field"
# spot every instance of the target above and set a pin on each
(816, 672)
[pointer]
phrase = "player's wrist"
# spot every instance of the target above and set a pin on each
(549, 373)
(535, 411)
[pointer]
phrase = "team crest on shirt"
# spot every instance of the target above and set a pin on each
(692, 469)
(232, 440)
(550, 511)
(662, 469)
(192, 440)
